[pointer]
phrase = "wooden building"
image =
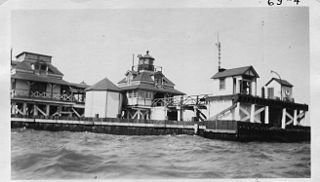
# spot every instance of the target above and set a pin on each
(144, 88)
(103, 99)
(278, 89)
(38, 88)
(235, 98)
(242, 80)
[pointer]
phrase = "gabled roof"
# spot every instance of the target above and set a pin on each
(153, 88)
(143, 77)
(104, 85)
(168, 82)
(26, 52)
(281, 82)
(25, 65)
(54, 69)
(37, 78)
(124, 80)
(236, 72)
(146, 77)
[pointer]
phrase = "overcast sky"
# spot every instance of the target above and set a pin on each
(92, 44)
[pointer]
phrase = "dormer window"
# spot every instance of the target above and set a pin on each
(43, 67)
(159, 82)
(222, 83)
(36, 66)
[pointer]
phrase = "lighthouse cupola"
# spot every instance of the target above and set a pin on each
(145, 62)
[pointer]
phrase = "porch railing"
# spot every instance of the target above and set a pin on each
(43, 95)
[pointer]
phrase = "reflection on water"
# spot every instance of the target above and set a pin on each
(84, 155)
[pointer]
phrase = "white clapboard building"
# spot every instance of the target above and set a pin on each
(235, 98)
(103, 99)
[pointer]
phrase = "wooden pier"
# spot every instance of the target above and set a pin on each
(105, 125)
(246, 131)
(224, 130)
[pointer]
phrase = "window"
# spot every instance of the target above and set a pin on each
(270, 92)
(245, 87)
(141, 94)
(222, 83)
(149, 95)
(43, 67)
(36, 66)
(159, 82)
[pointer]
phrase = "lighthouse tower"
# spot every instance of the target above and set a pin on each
(146, 63)
(144, 87)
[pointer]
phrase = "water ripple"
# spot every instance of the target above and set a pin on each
(85, 155)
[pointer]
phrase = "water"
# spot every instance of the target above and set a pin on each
(85, 155)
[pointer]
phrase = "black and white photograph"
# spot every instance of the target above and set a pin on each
(159, 90)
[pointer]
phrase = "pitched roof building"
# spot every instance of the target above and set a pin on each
(38, 88)
(103, 99)
(146, 77)
(144, 84)
(104, 85)
(246, 70)
(241, 80)
(281, 82)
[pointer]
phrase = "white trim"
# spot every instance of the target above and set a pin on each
(97, 123)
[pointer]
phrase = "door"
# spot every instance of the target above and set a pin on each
(270, 92)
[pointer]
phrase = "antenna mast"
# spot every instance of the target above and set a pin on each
(10, 56)
(262, 27)
(218, 44)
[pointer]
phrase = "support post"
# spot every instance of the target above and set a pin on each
(178, 113)
(302, 115)
(196, 127)
(166, 113)
(283, 120)
(266, 115)
(195, 111)
(295, 120)
(138, 114)
(35, 110)
(147, 115)
(237, 112)
(48, 110)
(13, 108)
(252, 113)
(24, 109)
(59, 110)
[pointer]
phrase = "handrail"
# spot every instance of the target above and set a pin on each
(181, 100)
(43, 95)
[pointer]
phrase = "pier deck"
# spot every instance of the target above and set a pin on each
(218, 129)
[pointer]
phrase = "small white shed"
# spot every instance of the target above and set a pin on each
(279, 89)
(103, 99)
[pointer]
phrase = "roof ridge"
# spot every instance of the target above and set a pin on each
(104, 85)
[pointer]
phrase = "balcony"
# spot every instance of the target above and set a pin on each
(24, 93)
